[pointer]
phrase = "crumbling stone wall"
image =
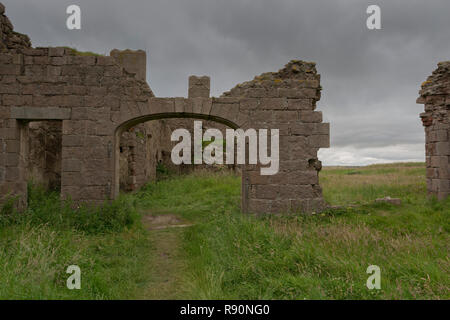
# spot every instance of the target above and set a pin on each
(9, 39)
(98, 99)
(287, 100)
(435, 94)
(138, 150)
(139, 155)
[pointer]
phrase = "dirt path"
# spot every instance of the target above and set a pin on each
(167, 264)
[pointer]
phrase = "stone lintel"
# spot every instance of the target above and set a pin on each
(37, 113)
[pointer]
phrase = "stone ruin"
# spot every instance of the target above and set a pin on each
(89, 125)
(435, 94)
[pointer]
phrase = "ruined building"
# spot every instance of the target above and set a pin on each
(435, 94)
(89, 125)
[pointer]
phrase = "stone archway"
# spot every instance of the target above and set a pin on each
(158, 116)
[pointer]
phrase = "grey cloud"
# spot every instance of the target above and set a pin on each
(370, 78)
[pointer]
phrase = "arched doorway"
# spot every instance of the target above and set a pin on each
(147, 118)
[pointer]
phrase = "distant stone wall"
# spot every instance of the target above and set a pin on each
(435, 94)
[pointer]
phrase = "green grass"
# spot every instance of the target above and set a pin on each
(325, 256)
(228, 255)
(109, 245)
(84, 53)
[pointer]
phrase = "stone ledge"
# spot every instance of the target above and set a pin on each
(36, 113)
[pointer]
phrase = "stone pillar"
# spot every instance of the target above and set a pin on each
(199, 87)
(435, 94)
(87, 162)
(132, 61)
(13, 158)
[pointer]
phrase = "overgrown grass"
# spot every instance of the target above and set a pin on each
(227, 255)
(37, 246)
(46, 208)
(194, 197)
(325, 256)
(360, 185)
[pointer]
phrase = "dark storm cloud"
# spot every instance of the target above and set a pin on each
(370, 78)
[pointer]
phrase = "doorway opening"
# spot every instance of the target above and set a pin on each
(44, 154)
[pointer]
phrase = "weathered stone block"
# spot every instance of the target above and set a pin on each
(71, 165)
(297, 93)
(41, 60)
(296, 191)
(303, 177)
(35, 113)
(10, 69)
(199, 87)
(13, 174)
(264, 191)
(319, 141)
(12, 146)
(56, 52)
(72, 140)
(259, 206)
(106, 61)
(160, 105)
(285, 116)
(301, 104)
(17, 100)
(310, 128)
(9, 88)
(12, 159)
(443, 148)
(311, 116)
(280, 206)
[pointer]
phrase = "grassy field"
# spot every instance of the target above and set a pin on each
(222, 254)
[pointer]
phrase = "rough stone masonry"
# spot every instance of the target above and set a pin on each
(435, 94)
(96, 99)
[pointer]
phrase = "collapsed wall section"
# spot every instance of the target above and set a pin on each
(435, 94)
(286, 100)
(9, 39)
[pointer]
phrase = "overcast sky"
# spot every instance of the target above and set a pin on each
(370, 78)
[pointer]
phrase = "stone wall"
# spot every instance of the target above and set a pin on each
(287, 100)
(100, 99)
(435, 94)
(138, 150)
(56, 84)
